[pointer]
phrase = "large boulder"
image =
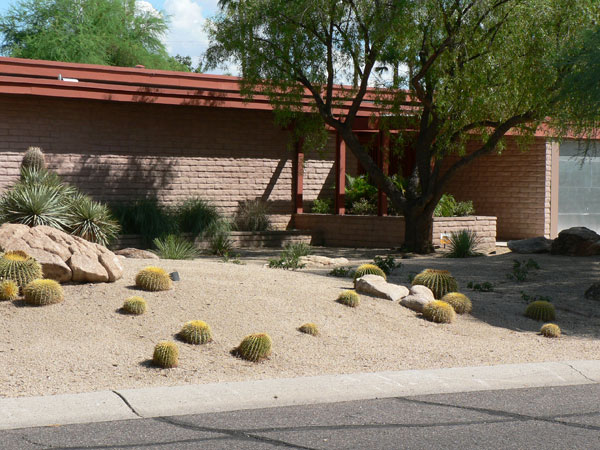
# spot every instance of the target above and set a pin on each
(63, 257)
(576, 241)
(376, 286)
(130, 252)
(538, 244)
(418, 297)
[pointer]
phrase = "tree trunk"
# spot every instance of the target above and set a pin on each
(418, 229)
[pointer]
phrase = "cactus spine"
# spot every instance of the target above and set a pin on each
(254, 347)
(43, 292)
(9, 290)
(349, 298)
(541, 310)
(166, 354)
(439, 281)
(439, 312)
(135, 305)
(196, 332)
(460, 302)
(153, 279)
(19, 267)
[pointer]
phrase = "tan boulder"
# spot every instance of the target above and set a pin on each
(63, 257)
(131, 252)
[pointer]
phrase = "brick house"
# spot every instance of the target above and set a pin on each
(121, 133)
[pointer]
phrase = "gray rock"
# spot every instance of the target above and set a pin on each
(376, 286)
(576, 241)
(136, 253)
(415, 302)
(422, 291)
(593, 292)
(538, 244)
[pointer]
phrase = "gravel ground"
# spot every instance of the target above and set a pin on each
(86, 344)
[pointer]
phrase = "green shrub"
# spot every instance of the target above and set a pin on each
(290, 257)
(196, 216)
(363, 207)
(135, 305)
(520, 270)
(342, 272)
(92, 221)
(460, 302)
(175, 247)
(449, 207)
(166, 354)
(19, 267)
(309, 328)
(550, 330)
(252, 215)
(349, 298)
(43, 292)
(387, 264)
(439, 311)
(9, 290)
(358, 188)
(322, 206)
(464, 209)
(254, 347)
(219, 241)
(153, 279)
(439, 281)
(463, 244)
(541, 310)
(196, 332)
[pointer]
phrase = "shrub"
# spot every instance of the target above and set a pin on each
(541, 310)
(34, 159)
(550, 330)
(349, 298)
(358, 188)
(175, 247)
(463, 244)
(19, 267)
(92, 221)
(135, 305)
(196, 332)
(368, 269)
(290, 257)
(460, 302)
(322, 206)
(196, 216)
(486, 286)
(387, 264)
(309, 328)
(449, 207)
(43, 292)
(219, 242)
(439, 311)
(464, 209)
(363, 207)
(439, 281)
(520, 270)
(252, 215)
(153, 279)
(166, 354)
(9, 290)
(254, 347)
(35, 204)
(342, 272)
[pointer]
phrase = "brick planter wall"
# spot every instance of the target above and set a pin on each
(388, 231)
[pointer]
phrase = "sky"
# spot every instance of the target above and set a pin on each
(186, 34)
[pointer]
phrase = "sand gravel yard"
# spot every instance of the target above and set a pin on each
(85, 344)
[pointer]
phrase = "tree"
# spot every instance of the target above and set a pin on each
(109, 32)
(469, 68)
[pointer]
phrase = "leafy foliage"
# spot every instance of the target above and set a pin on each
(322, 206)
(290, 257)
(449, 207)
(387, 264)
(175, 247)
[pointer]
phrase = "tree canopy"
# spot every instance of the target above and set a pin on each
(463, 68)
(109, 32)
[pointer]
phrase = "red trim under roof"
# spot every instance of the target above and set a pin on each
(137, 85)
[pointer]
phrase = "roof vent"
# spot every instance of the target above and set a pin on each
(69, 80)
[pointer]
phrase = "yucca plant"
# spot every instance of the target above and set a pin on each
(35, 204)
(175, 247)
(252, 215)
(463, 244)
(92, 221)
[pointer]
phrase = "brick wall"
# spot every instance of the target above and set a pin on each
(119, 151)
(388, 231)
(513, 186)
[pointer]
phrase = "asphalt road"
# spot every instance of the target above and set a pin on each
(545, 418)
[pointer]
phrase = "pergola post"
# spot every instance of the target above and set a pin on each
(298, 177)
(340, 175)
(383, 160)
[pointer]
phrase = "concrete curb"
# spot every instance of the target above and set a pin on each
(196, 399)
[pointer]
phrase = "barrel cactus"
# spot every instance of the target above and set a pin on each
(135, 305)
(8, 290)
(19, 267)
(309, 328)
(254, 347)
(43, 292)
(368, 269)
(34, 159)
(166, 354)
(153, 279)
(439, 312)
(349, 298)
(541, 310)
(439, 281)
(196, 332)
(460, 302)
(550, 330)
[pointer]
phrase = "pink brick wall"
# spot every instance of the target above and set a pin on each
(122, 151)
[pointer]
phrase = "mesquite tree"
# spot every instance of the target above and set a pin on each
(463, 70)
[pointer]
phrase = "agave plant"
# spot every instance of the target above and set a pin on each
(175, 247)
(35, 204)
(464, 244)
(92, 221)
